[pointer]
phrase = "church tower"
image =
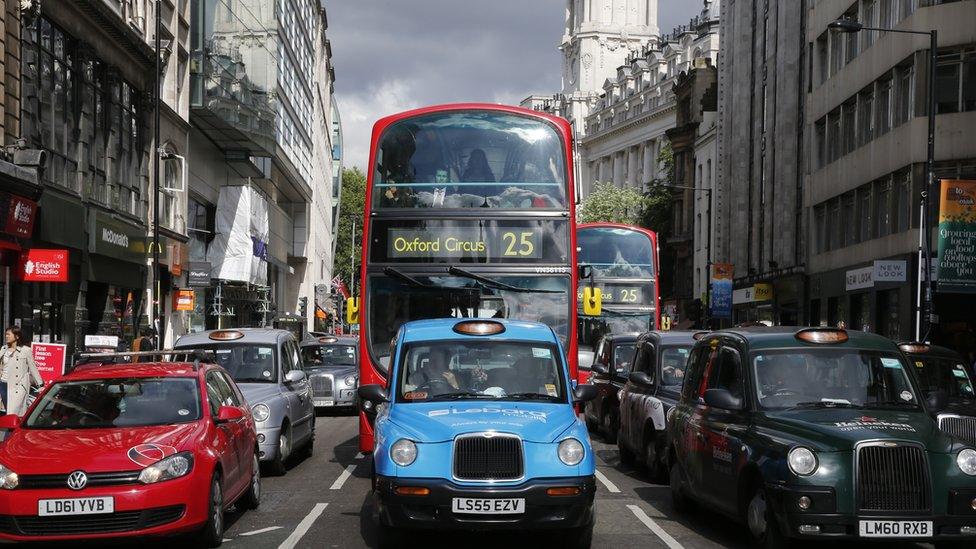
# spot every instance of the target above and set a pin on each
(599, 36)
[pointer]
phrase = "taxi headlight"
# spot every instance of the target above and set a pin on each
(966, 460)
(8, 478)
(261, 413)
(571, 451)
(403, 452)
(350, 381)
(802, 461)
(174, 466)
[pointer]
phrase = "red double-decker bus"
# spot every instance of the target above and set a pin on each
(624, 260)
(470, 212)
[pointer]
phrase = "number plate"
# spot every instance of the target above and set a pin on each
(324, 402)
(75, 506)
(896, 529)
(480, 506)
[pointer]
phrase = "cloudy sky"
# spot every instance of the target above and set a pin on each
(393, 55)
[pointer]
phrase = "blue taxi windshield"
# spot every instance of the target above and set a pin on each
(480, 370)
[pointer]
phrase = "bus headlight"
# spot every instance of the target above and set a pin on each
(966, 460)
(802, 461)
(571, 451)
(403, 452)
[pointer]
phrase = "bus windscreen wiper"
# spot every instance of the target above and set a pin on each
(496, 285)
(403, 277)
(617, 312)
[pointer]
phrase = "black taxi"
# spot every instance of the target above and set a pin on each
(612, 363)
(943, 370)
(816, 433)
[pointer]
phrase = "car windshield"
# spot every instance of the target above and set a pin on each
(105, 403)
(946, 374)
(246, 363)
(318, 356)
(480, 370)
(832, 378)
(673, 362)
(623, 358)
(392, 302)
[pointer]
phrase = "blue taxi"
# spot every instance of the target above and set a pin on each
(477, 431)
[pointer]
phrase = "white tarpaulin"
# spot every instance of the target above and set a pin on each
(239, 251)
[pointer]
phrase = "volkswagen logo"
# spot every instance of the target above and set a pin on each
(77, 480)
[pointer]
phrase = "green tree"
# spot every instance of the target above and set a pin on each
(658, 202)
(611, 204)
(351, 208)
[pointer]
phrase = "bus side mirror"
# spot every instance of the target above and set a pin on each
(592, 301)
(584, 271)
(352, 311)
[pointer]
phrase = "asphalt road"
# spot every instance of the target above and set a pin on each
(324, 501)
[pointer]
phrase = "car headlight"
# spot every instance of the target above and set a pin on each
(571, 451)
(403, 452)
(350, 381)
(261, 413)
(8, 478)
(802, 461)
(966, 460)
(174, 466)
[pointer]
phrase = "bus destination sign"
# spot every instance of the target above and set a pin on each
(465, 242)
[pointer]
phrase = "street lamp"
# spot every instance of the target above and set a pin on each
(925, 234)
(708, 243)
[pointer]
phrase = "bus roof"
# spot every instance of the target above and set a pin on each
(382, 123)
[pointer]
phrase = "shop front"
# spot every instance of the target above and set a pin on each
(115, 296)
(775, 302)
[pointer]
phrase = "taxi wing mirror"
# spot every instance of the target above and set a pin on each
(600, 368)
(640, 378)
(373, 393)
(352, 311)
(9, 422)
(584, 393)
(936, 400)
(226, 414)
(592, 301)
(723, 399)
(295, 376)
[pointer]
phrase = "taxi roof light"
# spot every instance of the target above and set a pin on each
(479, 327)
(328, 339)
(698, 336)
(822, 335)
(914, 347)
(226, 335)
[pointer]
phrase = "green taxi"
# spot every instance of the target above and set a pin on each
(817, 433)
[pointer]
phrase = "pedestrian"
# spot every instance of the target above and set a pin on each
(19, 371)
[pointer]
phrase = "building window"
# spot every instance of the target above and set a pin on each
(865, 118)
(903, 94)
(836, 52)
(834, 225)
(833, 136)
(887, 14)
(821, 143)
(869, 20)
(864, 213)
(819, 229)
(955, 82)
(851, 38)
(848, 220)
(883, 107)
(903, 200)
(883, 215)
(849, 126)
(823, 58)
(908, 7)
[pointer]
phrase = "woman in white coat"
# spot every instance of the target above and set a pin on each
(19, 371)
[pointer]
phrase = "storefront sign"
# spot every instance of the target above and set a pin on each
(49, 358)
(758, 292)
(859, 279)
(38, 265)
(18, 214)
(198, 274)
(183, 300)
(890, 271)
(721, 293)
(102, 341)
(115, 238)
(957, 237)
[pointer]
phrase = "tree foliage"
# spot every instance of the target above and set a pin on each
(351, 207)
(611, 204)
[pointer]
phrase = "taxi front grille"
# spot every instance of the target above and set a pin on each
(893, 478)
(123, 521)
(322, 386)
(488, 457)
(963, 428)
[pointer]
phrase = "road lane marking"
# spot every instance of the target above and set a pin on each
(611, 487)
(359, 456)
(337, 485)
(261, 531)
(303, 526)
(653, 527)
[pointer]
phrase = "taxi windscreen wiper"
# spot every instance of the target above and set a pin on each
(824, 404)
(527, 396)
(495, 284)
(458, 395)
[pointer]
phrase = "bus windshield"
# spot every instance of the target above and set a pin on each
(393, 301)
(615, 252)
(470, 159)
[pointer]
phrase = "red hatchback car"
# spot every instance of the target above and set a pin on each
(113, 450)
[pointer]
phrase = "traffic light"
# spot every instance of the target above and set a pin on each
(302, 306)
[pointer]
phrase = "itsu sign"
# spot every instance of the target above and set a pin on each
(44, 266)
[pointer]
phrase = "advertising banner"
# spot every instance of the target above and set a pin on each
(957, 236)
(721, 305)
(183, 300)
(198, 274)
(17, 215)
(49, 358)
(38, 265)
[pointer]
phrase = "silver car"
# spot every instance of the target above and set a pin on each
(332, 366)
(267, 366)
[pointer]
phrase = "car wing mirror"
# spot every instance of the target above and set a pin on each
(375, 394)
(936, 400)
(9, 422)
(640, 378)
(229, 413)
(584, 393)
(600, 368)
(723, 399)
(295, 376)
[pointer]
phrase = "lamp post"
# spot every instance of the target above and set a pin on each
(708, 245)
(925, 233)
(156, 299)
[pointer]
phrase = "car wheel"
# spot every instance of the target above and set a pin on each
(277, 465)
(762, 524)
(610, 427)
(652, 459)
(252, 498)
(578, 538)
(212, 534)
(626, 456)
(679, 499)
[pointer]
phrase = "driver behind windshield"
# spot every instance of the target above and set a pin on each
(438, 374)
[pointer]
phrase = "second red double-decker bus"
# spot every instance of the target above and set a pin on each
(624, 262)
(469, 213)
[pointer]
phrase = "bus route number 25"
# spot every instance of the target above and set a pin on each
(518, 244)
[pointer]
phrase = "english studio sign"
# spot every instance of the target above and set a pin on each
(37, 265)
